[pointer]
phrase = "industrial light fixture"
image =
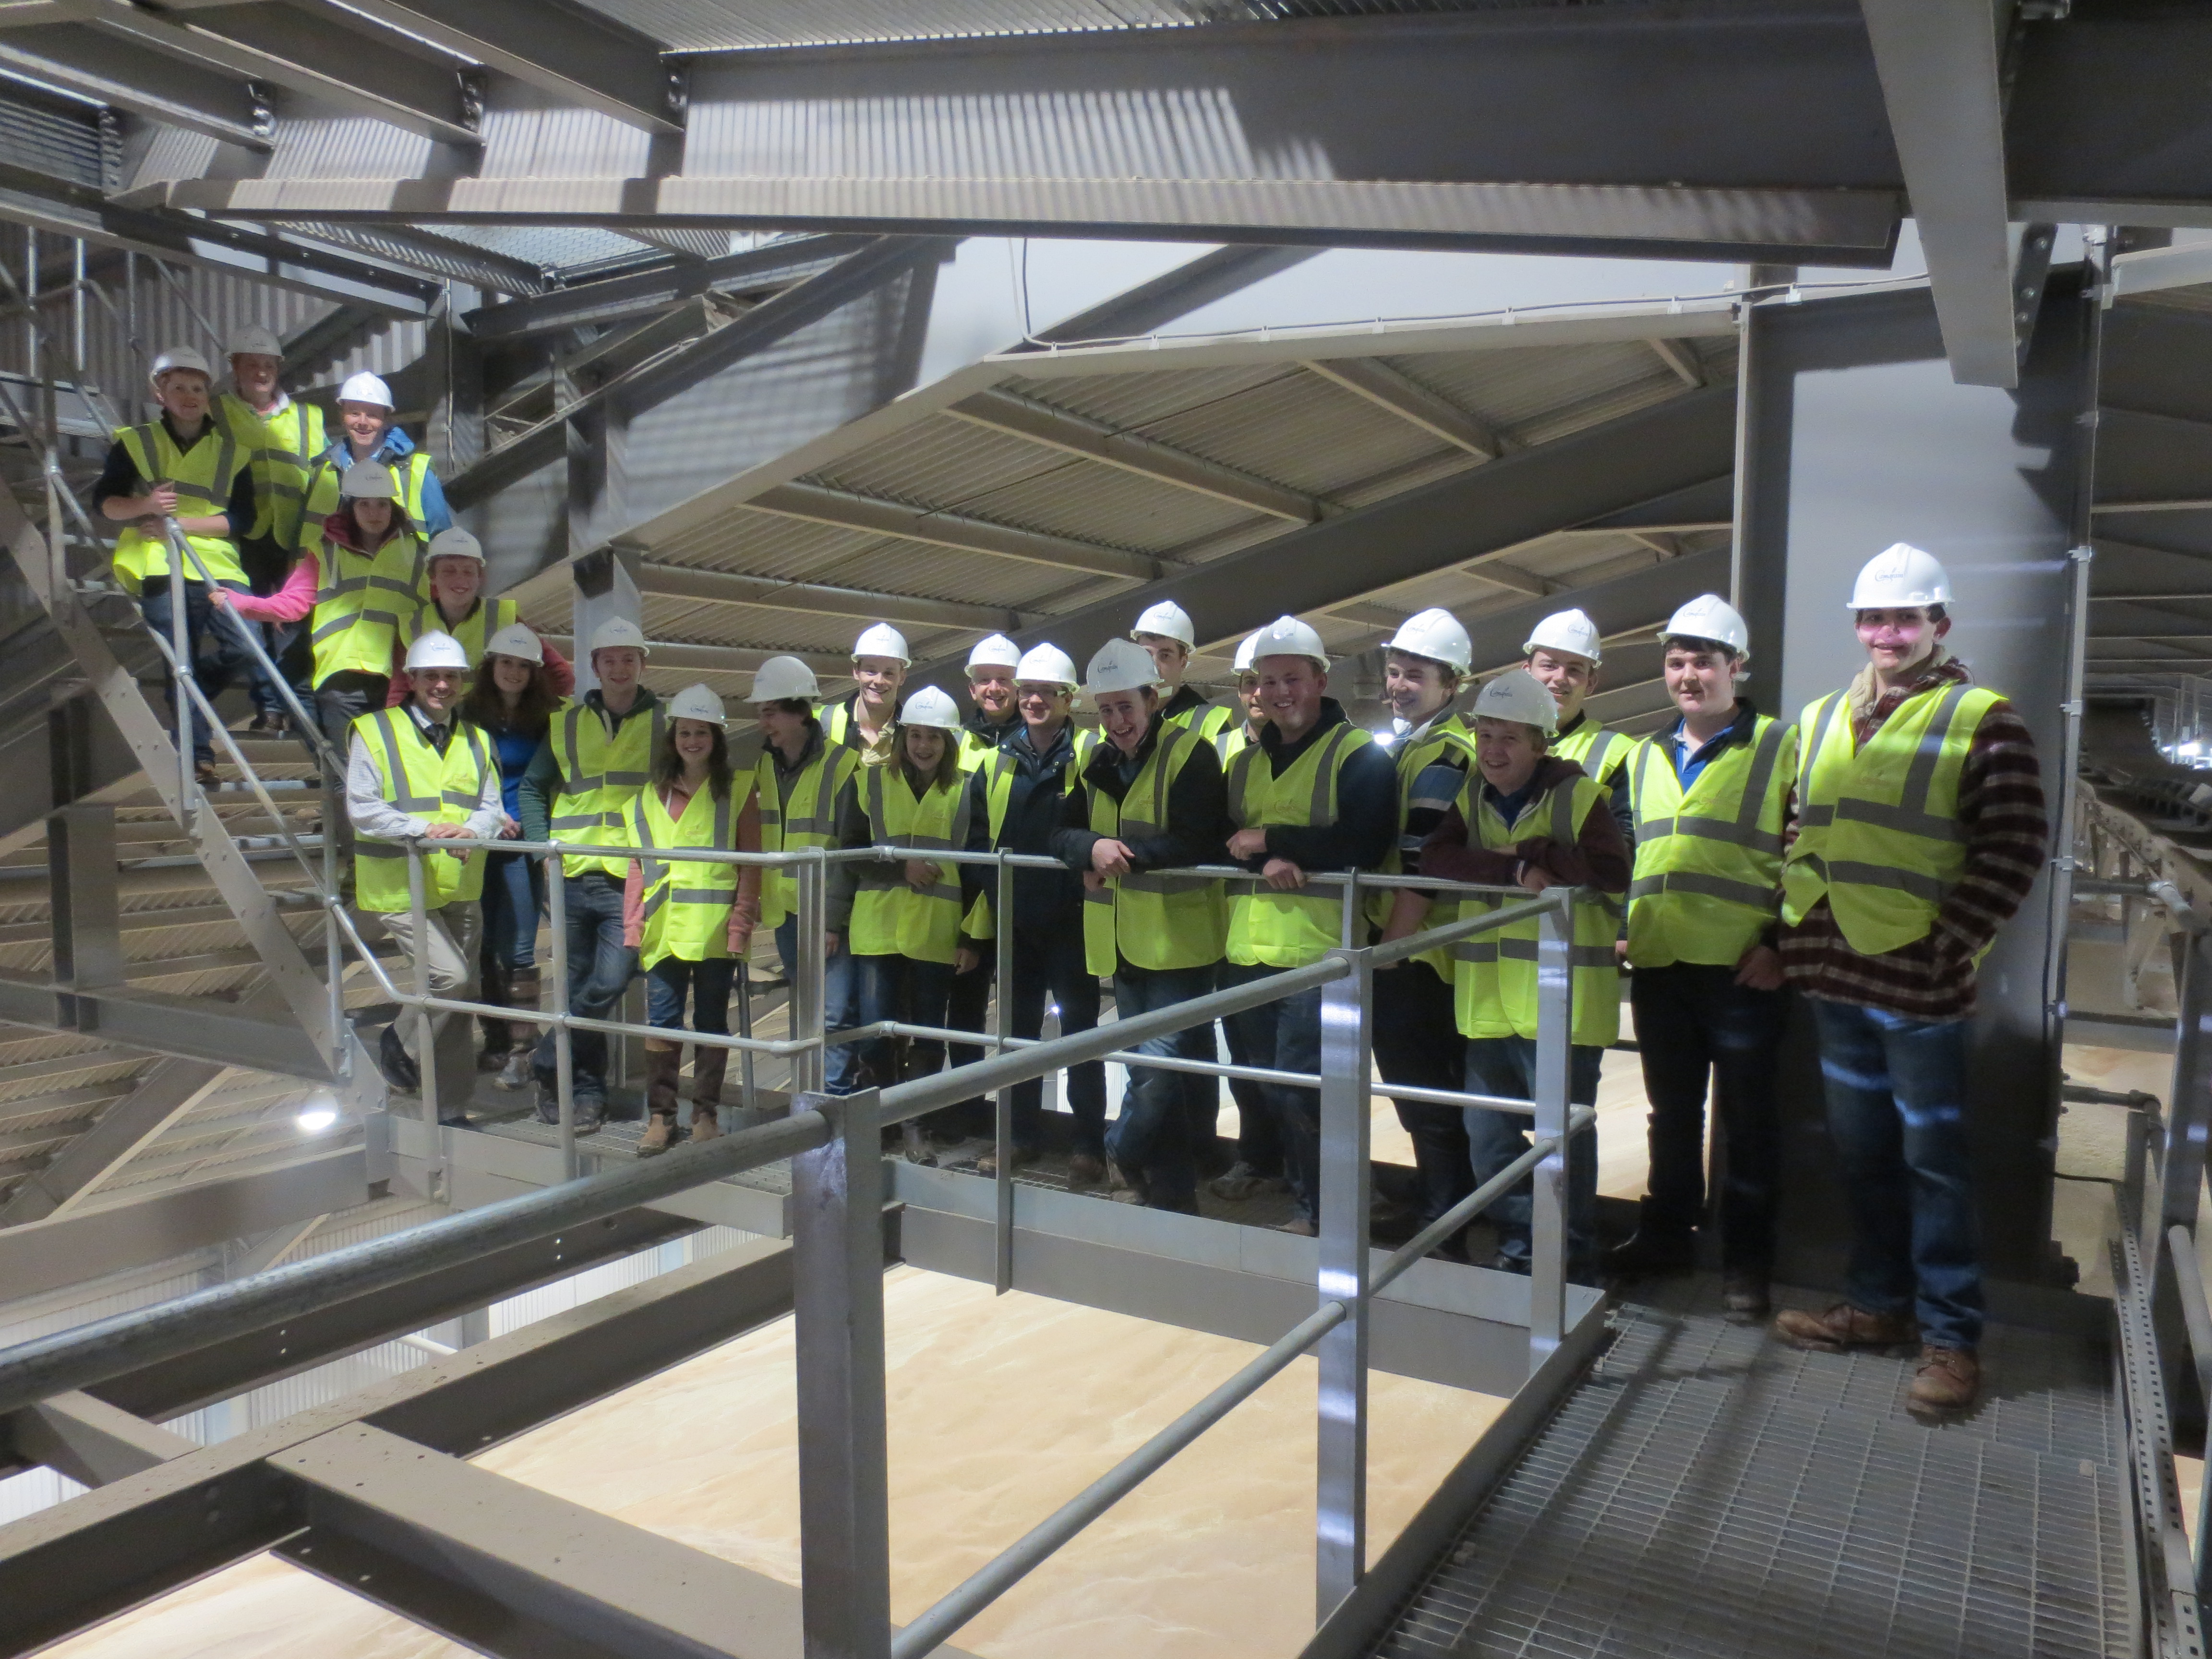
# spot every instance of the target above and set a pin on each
(319, 1111)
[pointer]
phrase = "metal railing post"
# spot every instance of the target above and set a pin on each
(837, 1271)
(1347, 1084)
(2188, 1113)
(1555, 1015)
(810, 993)
(181, 670)
(425, 1044)
(564, 1059)
(1002, 1103)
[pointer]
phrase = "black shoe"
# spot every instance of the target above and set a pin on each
(591, 1116)
(1744, 1293)
(548, 1107)
(1651, 1254)
(397, 1064)
(1502, 1263)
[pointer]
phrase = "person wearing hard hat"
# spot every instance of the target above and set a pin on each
(1920, 827)
(1711, 793)
(185, 467)
(1526, 818)
(1237, 734)
(367, 575)
(1014, 805)
(691, 922)
(366, 432)
(862, 718)
(993, 718)
(423, 773)
(454, 563)
(900, 919)
(283, 435)
(1564, 653)
(595, 758)
(1316, 793)
(1166, 632)
(1415, 1036)
(512, 702)
(1149, 799)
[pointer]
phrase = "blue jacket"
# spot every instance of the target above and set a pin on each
(396, 447)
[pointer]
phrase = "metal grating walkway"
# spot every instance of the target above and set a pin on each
(1708, 1491)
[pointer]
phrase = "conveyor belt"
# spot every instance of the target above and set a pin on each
(1708, 1491)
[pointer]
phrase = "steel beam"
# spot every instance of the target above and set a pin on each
(1681, 356)
(1175, 293)
(677, 581)
(184, 1027)
(822, 505)
(1400, 394)
(1938, 64)
(614, 299)
(165, 1094)
(1009, 412)
(88, 1440)
(243, 1258)
(727, 658)
(1614, 605)
(582, 57)
(140, 80)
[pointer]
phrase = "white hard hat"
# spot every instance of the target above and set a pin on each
(1571, 631)
(615, 633)
(781, 679)
(1169, 620)
(255, 341)
(1244, 653)
(517, 640)
(436, 650)
(1436, 636)
(1286, 636)
(996, 652)
(1120, 665)
(368, 481)
(1710, 617)
(178, 357)
(1901, 575)
(931, 707)
(881, 640)
(1518, 694)
(697, 702)
(366, 388)
(1048, 665)
(455, 544)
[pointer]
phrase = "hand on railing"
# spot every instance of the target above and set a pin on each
(1283, 875)
(920, 874)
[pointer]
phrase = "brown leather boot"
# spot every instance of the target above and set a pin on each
(708, 1067)
(1843, 1327)
(1946, 1379)
(498, 1034)
(661, 1066)
(522, 991)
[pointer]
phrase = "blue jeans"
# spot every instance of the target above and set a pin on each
(1151, 1137)
(1897, 1091)
(840, 1006)
(513, 898)
(601, 967)
(1507, 1067)
(1416, 1040)
(1285, 1036)
(708, 983)
(901, 989)
(1053, 965)
(229, 665)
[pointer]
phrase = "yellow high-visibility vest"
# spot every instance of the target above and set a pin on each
(801, 813)
(282, 445)
(418, 781)
(686, 901)
(203, 477)
(360, 600)
(600, 777)
(324, 475)
(1288, 930)
(485, 618)
(889, 916)
(1207, 721)
(1494, 974)
(1599, 752)
(1878, 830)
(1708, 859)
(999, 795)
(1447, 733)
(1148, 920)
(1232, 741)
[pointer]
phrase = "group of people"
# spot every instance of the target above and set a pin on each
(1865, 857)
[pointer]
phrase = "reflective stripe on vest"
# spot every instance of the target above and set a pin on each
(1447, 733)
(1706, 880)
(1288, 930)
(203, 477)
(1595, 750)
(279, 447)
(485, 618)
(686, 902)
(1494, 975)
(891, 917)
(1207, 719)
(360, 604)
(599, 778)
(1151, 921)
(1879, 835)
(325, 479)
(439, 788)
(796, 812)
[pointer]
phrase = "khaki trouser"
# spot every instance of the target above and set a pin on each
(453, 932)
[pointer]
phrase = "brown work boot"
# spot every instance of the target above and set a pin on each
(661, 1066)
(1086, 1170)
(1843, 1327)
(708, 1067)
(1946, 1379)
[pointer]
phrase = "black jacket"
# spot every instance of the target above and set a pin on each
(1366, 825)
(1043, 899)
(1198, 808)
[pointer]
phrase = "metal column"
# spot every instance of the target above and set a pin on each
(1555, 1023)
(1346, 1090)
